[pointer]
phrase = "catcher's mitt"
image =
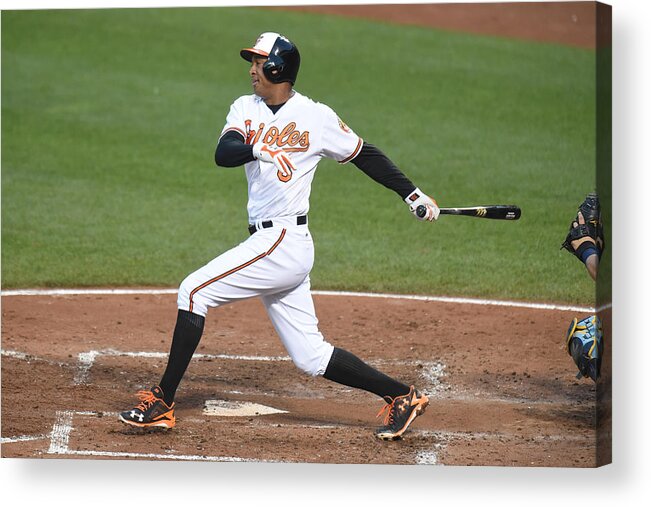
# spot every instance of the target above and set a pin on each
(586, 230)
(585, 344)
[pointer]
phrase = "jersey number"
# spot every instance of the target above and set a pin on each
(285, 174)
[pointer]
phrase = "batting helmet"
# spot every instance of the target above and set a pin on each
(283, 58)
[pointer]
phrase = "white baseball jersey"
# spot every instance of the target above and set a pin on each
(307, 131)
(274, 263)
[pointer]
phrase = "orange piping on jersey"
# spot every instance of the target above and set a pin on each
(235, 270)
(354, 154)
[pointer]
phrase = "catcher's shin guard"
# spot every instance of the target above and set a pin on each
(584, 343)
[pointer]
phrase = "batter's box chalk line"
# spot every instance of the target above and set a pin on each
(85, 360)
(63, 427)
(23, 356)
(429, 457)
(60, 440)
(22, 438)
(433, 374)
(432, 371)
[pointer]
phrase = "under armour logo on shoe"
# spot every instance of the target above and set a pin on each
(135, 414)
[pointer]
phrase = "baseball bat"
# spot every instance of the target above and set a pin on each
(494, 211)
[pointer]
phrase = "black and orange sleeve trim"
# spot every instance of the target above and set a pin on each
(358, 148)
(234, 129)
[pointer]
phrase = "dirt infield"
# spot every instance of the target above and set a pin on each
(501, 384)
(502, 387)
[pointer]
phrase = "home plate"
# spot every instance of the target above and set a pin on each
(237, 408)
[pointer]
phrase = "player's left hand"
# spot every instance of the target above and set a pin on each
(581, 233)
(417, 198)
(278, 157)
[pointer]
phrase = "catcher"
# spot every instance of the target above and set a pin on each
(585, 240)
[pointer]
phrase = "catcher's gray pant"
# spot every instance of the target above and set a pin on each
(273, 263)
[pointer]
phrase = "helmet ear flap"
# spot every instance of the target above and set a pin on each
(283, 62)
(273, 69)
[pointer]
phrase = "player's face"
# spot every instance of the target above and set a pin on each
(261, 85)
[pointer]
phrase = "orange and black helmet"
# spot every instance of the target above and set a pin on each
(283, 58)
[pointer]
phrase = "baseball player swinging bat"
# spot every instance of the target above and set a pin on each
(494, 211)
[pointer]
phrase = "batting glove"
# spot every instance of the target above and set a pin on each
(277, 157)
(417, 198)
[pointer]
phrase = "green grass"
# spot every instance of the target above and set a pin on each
(110, 119)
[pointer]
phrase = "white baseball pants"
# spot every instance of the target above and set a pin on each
(273, 263)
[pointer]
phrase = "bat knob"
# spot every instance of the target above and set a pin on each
(421, 211)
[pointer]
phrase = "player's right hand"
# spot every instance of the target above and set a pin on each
(418, 198)
(278, 157)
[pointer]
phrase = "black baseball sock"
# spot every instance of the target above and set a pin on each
(187, 334)
(346, 368)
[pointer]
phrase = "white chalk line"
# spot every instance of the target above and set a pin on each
(459, 300)
(437, 299)
(87, 359)
(22, 438)
(85, 362)
(60, 437)
(440, 436)
(432, 373)
(87, 292)
(450, 436)
(443, 438)
(158, 355)
(23, 356)
(427, 457)
(18, 355)
(174, 457)
(61, 432)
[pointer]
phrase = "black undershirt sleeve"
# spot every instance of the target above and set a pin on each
(377, 166)
(232, 151)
